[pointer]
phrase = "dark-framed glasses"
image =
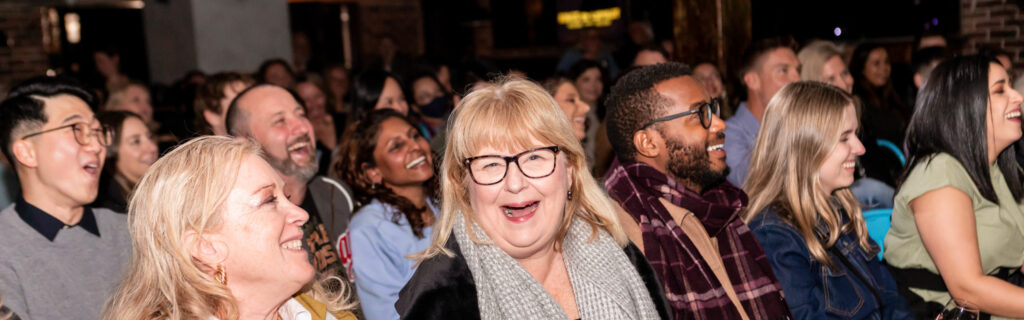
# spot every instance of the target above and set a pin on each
(705, 108)
(534, 163)
(84, 133)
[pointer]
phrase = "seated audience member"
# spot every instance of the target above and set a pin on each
(592, 48)
(275, 119)
(803, 213)
(958, 225)
(430, 102)
(391, 170)
(768, 65)
(324, 128)
(129, 155)
(706, 73)
(877, 168)
(650, 54)
(590, 79)
(336, 79)
(213, 98)
(60, 258)
(525, 232)
(675, 202)
(276, 72)
(216, 238)
(883, 113)
(924, 61)
(568, 99)
(377, 89)
(134, 98)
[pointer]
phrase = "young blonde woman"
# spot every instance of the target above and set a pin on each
(215, 237)
(804, 215)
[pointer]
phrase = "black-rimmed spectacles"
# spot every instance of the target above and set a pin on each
(706, 110)
(534, 163)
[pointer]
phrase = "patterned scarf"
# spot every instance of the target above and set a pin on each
(606, 284)
(690, 285)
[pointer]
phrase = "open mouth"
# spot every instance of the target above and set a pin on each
(1014, 115)
(294, 245)
(301, 149)
(716, 147)
(579, 119)
(92, 168)
(520, 213)
(415, 162)
(849, 164)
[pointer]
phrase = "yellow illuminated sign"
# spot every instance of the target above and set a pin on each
(584, 19)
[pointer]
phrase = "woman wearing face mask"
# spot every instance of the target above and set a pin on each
(958, 225)
(804, 215)
(526, 232)
(430, 102)
(128, 157)
(215, 237)
(391, 170)
(884, 115)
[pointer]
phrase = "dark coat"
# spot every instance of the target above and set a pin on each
(443, 288)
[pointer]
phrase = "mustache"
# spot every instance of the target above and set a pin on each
(300, 139)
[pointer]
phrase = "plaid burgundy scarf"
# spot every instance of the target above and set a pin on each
(690, 285)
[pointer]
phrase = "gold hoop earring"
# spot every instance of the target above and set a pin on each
(221, 275)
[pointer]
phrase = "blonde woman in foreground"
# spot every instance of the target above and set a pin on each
(216, 238)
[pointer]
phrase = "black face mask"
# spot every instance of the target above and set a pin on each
(436, 108)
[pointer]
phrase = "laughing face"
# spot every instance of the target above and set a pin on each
(136, 149)
(574, 108)
(695, 155)
(837, 170)
(68, 170)
(262, 232)
(279, 124)
(402, 156)
(1003, 119)
(521, 214)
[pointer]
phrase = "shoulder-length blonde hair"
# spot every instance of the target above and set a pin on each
(185, 191)
(800, 128)
(813, 58)
(510, 113)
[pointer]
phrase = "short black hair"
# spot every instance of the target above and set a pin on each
(261, 72)
(366, 90)
(236, 120)
(24, 107)
(923, 59)
(650, 47)
(757, 49)
(633, 102)
(957, 97)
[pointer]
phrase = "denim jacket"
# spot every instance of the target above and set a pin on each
(815, 291)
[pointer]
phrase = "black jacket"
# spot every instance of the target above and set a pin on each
(443, 288)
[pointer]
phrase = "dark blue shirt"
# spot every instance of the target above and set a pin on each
(47, 225)
(815, 291)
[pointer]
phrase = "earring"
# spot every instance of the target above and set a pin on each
(570, 194)
(221, 275)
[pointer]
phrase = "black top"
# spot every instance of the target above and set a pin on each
(322, 253)
(49, 226)
(443, 287)
(109, 195)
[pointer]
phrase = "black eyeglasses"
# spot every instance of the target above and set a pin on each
(706, 110)
(84, 133)
(534, 163)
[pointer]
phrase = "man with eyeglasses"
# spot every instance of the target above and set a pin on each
(675, 204)
(58, 258)
(767, 66)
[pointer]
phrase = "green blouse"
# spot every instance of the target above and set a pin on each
(1000, 226)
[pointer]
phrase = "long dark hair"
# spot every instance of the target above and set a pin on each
(885, 97)
(357, 150)
(115, 120)
(956, 96)
(366, 90)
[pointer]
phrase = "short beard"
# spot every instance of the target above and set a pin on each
(287, 167)
(691, 163)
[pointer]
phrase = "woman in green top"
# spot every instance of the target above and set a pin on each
(958, 225)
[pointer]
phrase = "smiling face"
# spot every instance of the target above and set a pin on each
(279, 124)
(68, 172)
(834, 72)
(136, 149)
(692, 154)
(402, 156)
(316, 101)
(877, 68)
(520, 214)
(574, 108)
(1003, 122)
(262, 233)
(836, 171)
(779, 68)
(391, 97)
(590, 86)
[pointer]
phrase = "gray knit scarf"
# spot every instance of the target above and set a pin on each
(606, 284)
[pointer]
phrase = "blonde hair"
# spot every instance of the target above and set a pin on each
(118, 94)
(813, 58)
(184, 191)
(799, 130)
(510, 113)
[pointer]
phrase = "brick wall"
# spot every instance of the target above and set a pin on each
(23, 55)
(993, 23)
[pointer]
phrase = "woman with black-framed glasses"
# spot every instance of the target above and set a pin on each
(525, 231)
(390, 168)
